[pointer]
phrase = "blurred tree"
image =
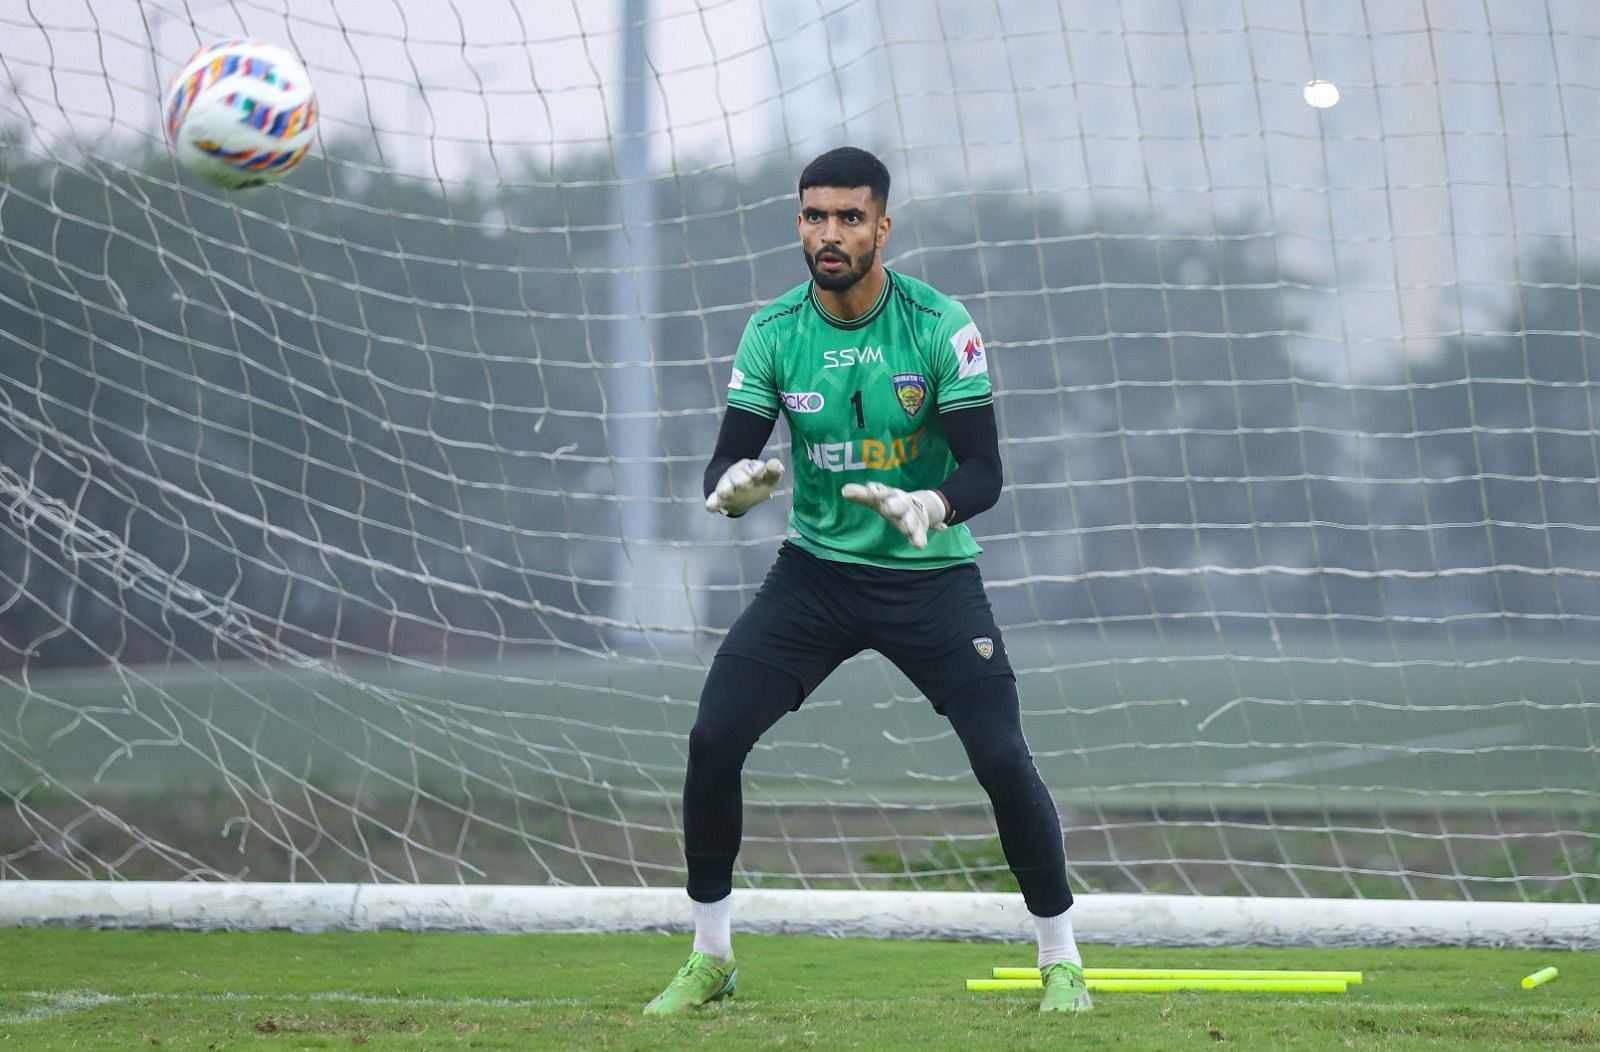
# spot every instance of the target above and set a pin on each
(365, 413)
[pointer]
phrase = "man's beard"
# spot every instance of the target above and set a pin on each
(839, 280)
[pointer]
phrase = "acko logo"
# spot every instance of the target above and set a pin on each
(802, 402)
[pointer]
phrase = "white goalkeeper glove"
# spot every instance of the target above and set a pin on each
(744, 485)
(913, 514)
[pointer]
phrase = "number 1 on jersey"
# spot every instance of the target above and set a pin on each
(855, 400)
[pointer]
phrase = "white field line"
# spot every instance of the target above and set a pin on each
(77, 1001)
(53, 1005)
(1362, 756)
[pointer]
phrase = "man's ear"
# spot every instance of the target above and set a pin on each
(884, 222)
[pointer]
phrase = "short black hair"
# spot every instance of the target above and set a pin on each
(848, 166)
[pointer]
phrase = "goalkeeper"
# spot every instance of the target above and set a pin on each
(884, 383)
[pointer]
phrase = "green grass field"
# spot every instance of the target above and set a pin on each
(62, 989)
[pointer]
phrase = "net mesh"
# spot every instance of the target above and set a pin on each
(351, 529)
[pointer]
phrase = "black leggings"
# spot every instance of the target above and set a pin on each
(743, 698)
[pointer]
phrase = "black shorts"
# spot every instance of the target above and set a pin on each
(811, 614)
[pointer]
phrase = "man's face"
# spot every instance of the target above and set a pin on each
(841, 231)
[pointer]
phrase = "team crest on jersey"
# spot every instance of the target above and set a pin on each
(984, 646)
(912, 390)
(970, 357)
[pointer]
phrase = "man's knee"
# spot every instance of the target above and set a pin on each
(713, 749)
(741, 700)
(986, 716)
(1001, 761)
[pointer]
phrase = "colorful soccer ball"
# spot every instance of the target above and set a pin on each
(241, 113)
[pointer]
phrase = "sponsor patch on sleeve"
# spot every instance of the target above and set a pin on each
(970, 356)
(736, 381)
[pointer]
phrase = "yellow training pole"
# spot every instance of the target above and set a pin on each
(1186, 973)
(1543, 975)
(1286, 986)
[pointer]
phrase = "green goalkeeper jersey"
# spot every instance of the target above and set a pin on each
(863, 398)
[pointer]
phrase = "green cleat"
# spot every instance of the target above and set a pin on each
(701, 980)
(1064, 989)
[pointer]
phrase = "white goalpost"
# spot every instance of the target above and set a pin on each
(353, 564)
(1119, 918)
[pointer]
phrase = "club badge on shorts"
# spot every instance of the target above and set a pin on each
(984, 646)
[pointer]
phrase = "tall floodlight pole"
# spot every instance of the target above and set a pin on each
(649, 590)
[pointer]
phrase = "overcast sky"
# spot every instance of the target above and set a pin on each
(1465, 135)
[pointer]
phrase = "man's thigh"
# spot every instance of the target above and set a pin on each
(946, 635)
(801, 621)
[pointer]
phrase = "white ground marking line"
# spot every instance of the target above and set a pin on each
(54, 1004)
(57, 1004)
(1358, 756)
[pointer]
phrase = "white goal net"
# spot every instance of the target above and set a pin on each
(351, 529)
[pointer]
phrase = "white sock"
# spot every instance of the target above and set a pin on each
(1055, 939)
(713, 923)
